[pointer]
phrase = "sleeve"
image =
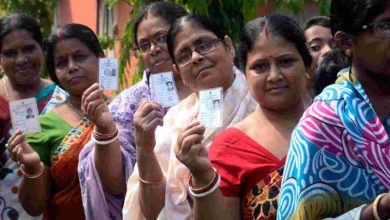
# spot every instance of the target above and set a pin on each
(96, 201)
(225, 156)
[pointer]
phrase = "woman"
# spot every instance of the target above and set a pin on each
(249, 156)
(52, 186)
(150, 30)
(339, 160)
(21, 60)
(203, 55)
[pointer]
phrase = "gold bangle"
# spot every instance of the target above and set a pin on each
(107, 135)
(375, 206)
(151, 183)
(34, 176)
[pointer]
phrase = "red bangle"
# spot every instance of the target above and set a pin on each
(207, 187)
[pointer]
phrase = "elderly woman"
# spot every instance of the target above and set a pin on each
(339, 158)
(104, 190)
(50, 158)
(203, 55)
(21, 60)
(249, 157)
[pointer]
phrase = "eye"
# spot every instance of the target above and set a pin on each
(80, 57)
(315, 48)
(183, 57)
(61, 63)
(205, 46)
(144, 46)
(161, 39)
(9, 53)
(29, 49)
(286, 62)
(260, 67)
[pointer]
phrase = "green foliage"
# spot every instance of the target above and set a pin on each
(106, 42)
(230, 14)
(43, 10)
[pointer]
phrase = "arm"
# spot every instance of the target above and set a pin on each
(152, 183)
(383, 208)
(193, 154)
(108, 157)
(34, 192)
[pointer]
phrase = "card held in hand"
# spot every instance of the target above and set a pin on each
(108, 73)
(210, 107)
(164, 89)
(25, 115)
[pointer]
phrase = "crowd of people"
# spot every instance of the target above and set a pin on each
(304, 134)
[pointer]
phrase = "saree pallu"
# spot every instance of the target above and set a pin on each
(339, 157)
(65, 202)
(261, 202)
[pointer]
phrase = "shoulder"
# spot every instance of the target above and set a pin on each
(227, 142)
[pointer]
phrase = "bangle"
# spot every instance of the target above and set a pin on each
(212, 186)
(99, 135)
(34, 176)
(375, 206)
(151, 183)
(105, 142)
(205, 188)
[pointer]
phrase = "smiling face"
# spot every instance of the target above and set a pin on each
(276, 73)
(210, 70)
(76, 67)
(21, 57)
(157, 58)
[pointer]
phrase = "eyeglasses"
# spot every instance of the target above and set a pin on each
(159, 41)
(380, 29)
(203, 48)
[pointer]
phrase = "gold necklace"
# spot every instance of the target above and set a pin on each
(76, 109)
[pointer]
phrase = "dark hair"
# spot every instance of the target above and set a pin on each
(317, 20)
(199, 21)
(76, 31)
(20, 21)
(166, 10)
(326, 72)
(350, 15)
(278, 25)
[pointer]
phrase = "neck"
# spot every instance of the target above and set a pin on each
(182, 90)
(20, 91)
(75, 102)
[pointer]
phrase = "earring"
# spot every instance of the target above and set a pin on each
(348, 52)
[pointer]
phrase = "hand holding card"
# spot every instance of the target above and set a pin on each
(25, 116)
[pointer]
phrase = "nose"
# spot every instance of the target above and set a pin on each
(274, 74)
(21, 58)
(154, 48)
(196, 57)
(325, 50)
(72, 65)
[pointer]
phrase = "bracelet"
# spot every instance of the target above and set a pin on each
(375, 206)
(151, 183)
(105, 142)
(34, 176)
(207, 187)
(214, 187)
(99, 135)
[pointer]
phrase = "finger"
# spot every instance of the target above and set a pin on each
(152, 115)
(91, 107)
(88, 91)
(195, 129)
(189, 141)
(16, 133)
(151, 127)
(14, 152)
(19, 154)
(94, 95)
(148, 107)
(18, 139)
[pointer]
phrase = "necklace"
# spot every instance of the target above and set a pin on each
(74, 108)
(6, 90)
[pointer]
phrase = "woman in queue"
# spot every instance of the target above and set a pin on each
(21, 60)
(338, 163)
(203, 54)
(104, 191)
(247, 159)
(50, 158)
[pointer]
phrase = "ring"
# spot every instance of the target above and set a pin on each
(7, 146)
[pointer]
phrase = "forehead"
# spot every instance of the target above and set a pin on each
(190, 34)
(69, 46)
(17, 38)
(317, 31)
(150, 25)
(271, 47)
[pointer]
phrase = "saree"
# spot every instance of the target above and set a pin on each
(65, 201)
(339, 157)
(237, 103)
(10, 175)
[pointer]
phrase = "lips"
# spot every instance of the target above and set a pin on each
(76, 79)
(26, 70)
(276, 89)
(159, 62)
(201, 71)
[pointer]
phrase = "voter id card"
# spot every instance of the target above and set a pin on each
(164, 89)
(108, 73)
(25, 115)
(210, 107)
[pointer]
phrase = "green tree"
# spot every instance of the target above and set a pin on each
(231, 14)
(42, 10)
